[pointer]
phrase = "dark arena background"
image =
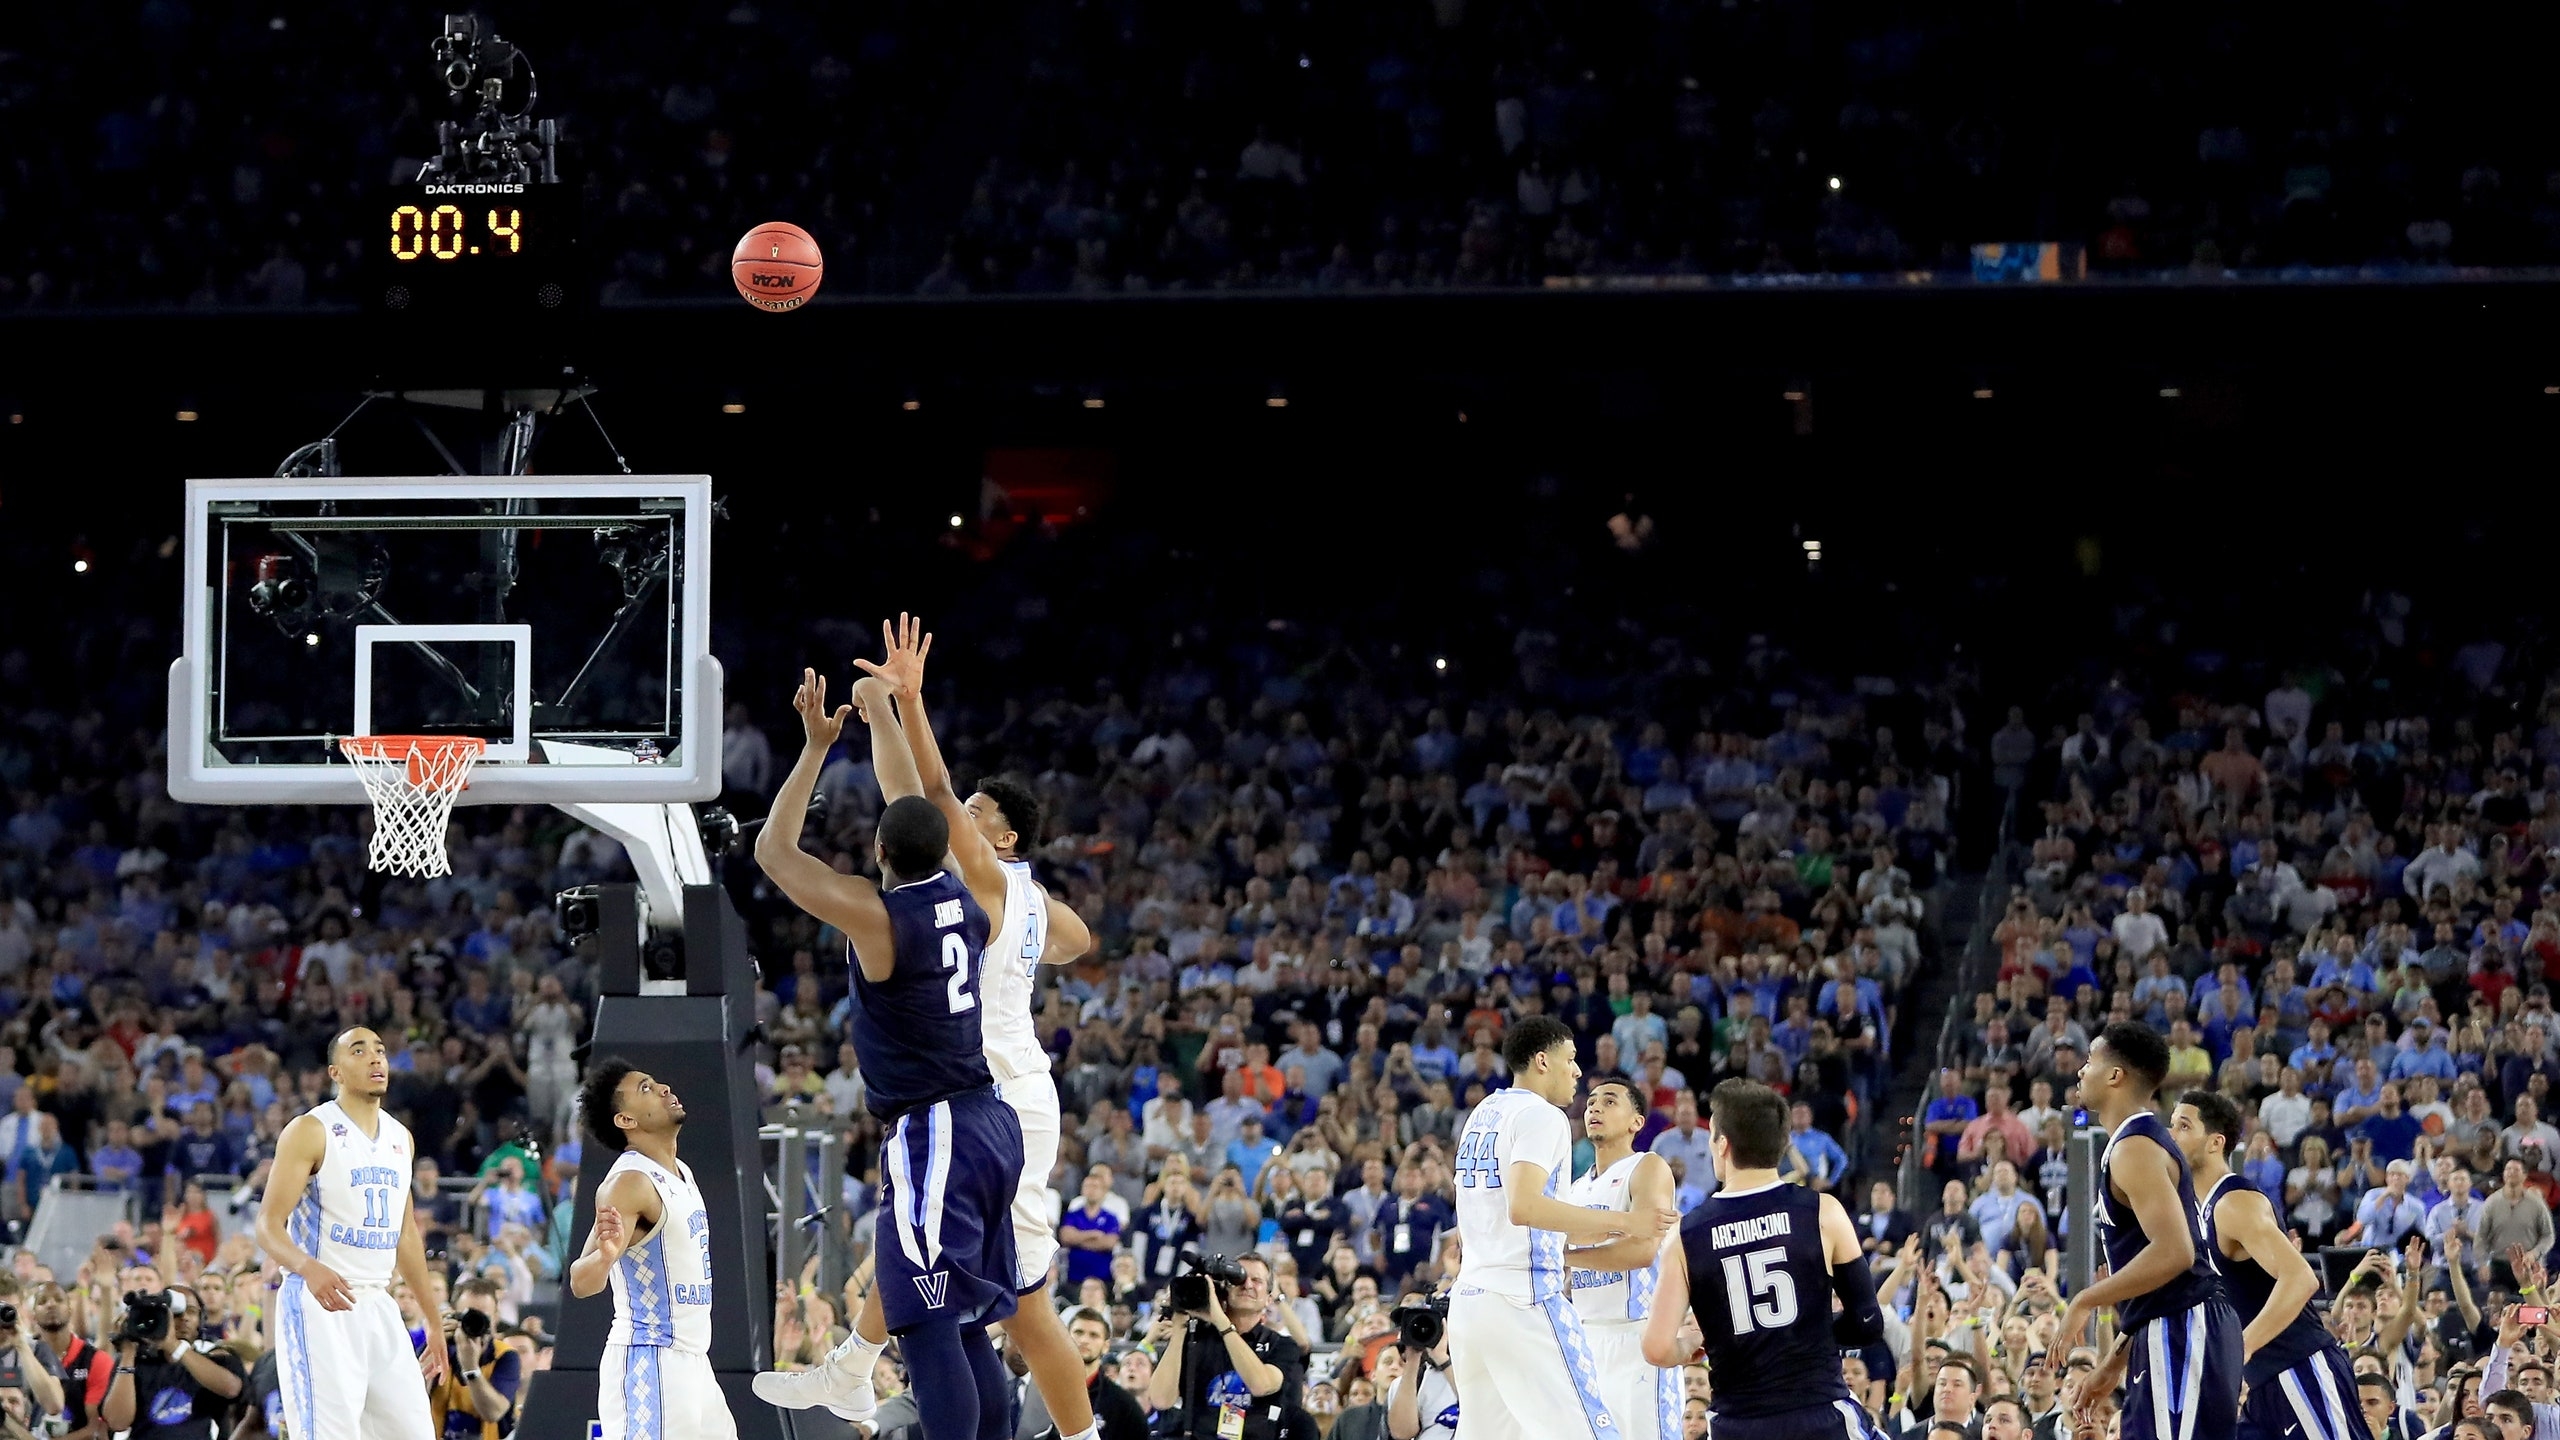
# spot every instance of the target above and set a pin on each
(1961, 525)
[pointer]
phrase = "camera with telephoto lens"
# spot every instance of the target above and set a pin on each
(1420, 1324)
(1189, 1292)
(473, 1324)
(146, 1318)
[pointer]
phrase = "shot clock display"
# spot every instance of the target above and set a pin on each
(478, 249)
(449, 232)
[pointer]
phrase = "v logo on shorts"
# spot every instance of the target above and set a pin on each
(935, 1288)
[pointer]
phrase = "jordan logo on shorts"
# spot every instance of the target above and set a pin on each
(935, 1288)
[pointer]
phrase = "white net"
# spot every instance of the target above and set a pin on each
(413, 780)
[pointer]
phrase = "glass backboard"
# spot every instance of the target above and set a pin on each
(564, 621)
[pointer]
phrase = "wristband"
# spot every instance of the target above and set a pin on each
(471, 1376)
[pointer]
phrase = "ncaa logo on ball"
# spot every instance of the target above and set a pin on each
(762, 298)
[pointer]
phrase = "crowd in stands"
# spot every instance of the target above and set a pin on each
(1319, 903)
(205, 156)
(1325, 884)
(2339, 906)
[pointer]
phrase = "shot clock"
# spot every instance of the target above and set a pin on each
(445, 233)
(484, 250)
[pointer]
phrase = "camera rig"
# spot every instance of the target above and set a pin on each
(493, 146)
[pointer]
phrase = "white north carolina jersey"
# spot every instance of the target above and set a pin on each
(350, 1215)
(1500, 1257)
(662, 1285)
(1611, 1295)
(1010, 972)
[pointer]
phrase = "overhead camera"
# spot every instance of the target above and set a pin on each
(282, 587)
(493, 146)
(636, 557)
(326, 576)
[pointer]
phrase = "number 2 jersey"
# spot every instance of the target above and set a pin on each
(350, 1215)
(1760, 1287)
(1500, 1257)
(662, 1283)
(919, 1032)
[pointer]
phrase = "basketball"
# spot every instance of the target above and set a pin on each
(776, 266)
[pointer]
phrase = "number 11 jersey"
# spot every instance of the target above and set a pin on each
(350, 1215)
(1760, 1286)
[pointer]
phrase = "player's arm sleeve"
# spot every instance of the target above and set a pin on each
(1860, 1321)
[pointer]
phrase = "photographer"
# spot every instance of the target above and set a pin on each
(476, 1399)
(167, 1385)
(27, 1364)
(1423, 1405)
(1230, 1379)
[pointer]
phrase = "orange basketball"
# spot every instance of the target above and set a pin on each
(776, 266)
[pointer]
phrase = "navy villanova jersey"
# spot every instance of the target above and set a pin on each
(917, 1031)
(2121, 1230)
(2248, 1286)
(1760, 1287)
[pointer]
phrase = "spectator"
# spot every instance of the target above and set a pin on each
(2512, 1216)
(1883, 1226)
(1686, 1141)
(2390, 1214)
(507, 1201)
(1090, 1230)
(1952, 1229)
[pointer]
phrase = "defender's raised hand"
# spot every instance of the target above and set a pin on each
(907, 643)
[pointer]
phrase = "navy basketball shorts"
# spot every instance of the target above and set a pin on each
(2312, 1399)
(2183, 1380)
(1839, 1420)
(944, 1240)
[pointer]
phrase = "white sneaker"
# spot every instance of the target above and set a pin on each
(826, 1383)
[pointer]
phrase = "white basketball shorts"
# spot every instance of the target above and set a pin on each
(1644, 1399)
(348, 1374)
(1034, 1097)
(1524, 1370)
(649, 1392)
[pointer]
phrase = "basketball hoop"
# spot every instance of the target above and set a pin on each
(413, 780)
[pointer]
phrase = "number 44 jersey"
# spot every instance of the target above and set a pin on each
(1760, 1286)
(1499, 1256)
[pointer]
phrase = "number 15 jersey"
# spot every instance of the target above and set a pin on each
(1760, 1286)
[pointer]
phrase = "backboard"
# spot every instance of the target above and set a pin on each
(563, 620)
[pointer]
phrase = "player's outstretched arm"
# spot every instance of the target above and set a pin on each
(412, 1262)
(2246, 1217)
(908, 643)
(299, 1151)
(893, 757)
(2149, 1179)
(625, 1203)
(1649, 1190)
(1861, 1319)
(1664, 1346)
(848, 902)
